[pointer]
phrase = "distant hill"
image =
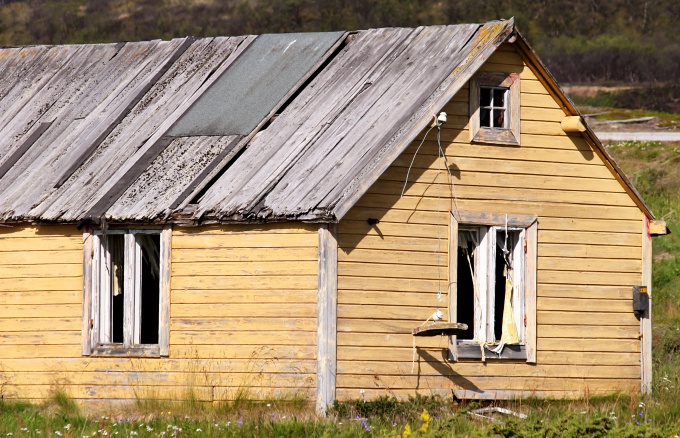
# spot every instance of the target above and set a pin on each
(580, 40)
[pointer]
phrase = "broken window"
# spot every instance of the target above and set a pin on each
(128, 299)
(494, 108)
(494, 287)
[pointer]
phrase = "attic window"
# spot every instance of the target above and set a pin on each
(128, 297)
(494, 288)
(494, 108)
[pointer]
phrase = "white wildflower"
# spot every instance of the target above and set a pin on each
(198, 429)
(57, 433)
(149, 428)
(68, 426)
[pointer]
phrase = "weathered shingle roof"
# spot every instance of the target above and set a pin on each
(275, 127)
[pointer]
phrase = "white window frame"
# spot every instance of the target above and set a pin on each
(524, 281)
(96, 298)
(509, 134)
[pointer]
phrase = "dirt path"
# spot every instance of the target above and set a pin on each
(640, 136)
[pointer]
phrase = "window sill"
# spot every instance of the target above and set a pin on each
(121, 351)
(471, 351)
(496, 136)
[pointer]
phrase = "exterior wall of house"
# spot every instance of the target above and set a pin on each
(589, 254)
(242, 317)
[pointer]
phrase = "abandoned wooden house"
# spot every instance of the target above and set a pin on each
(282, 213)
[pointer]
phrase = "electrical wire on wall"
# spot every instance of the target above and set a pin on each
(441, 156)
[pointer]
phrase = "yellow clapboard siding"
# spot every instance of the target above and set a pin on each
(40, 338)
(585, 291)
(44, 243)
(40, 257)
(50, 270)
(254, 352)
(589, 332)
(485, 383)
(491, 179)
(264, 337)
(234, 297)
(187, 367)
(348, 242)
(384, 270)
(583, 304)
(241, 324)
(69, 232)
(403, 298)
(103, 392)
(164, 379)
(243, 282)
(355, 223)
(395, 229)
(588, 251)
(262, 240)
(580, 277)
(404, 257)
(226, 230)
(46, 284)
(503, 207)
(528, 194)
(453, 137)
(41, 351)
(396, 340)
(544, 128)
(540, 100)
(588, 345)
(490, 368)
(375, 325)
(587, 317)
(428, 153)
(415, 313)
(385, 284)
(292, 310)
(503, 67)
(568, 224)
(227, 269)
(50, 310)
(591, 264)
(41, 297)
(20, 323)
(505, 165)
(577, 358)
(542, 114)
(407, 394)
(588, 358)
(590, 238)
(258, 255)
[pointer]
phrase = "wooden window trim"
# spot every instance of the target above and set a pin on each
(91, 307)
(484, 135)
(530, 225)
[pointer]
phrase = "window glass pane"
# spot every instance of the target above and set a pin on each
(499, 118)
(150, 287)
(115, 246)
(499, 97)
(485, 117)
(465, 307)
(485, 96)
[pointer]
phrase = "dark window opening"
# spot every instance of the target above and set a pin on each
(499, 293)
(492, 107)
(466, 288)
(116, 249)
(150, 290)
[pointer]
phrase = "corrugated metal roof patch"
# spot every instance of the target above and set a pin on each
(257, 81)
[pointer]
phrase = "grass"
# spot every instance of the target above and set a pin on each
(655, 170)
